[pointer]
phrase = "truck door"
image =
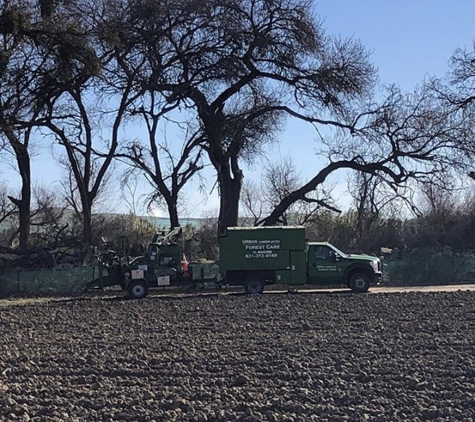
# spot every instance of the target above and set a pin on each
(324, 267)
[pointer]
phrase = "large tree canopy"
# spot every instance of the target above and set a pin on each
(28, 52)
(406, 138)
(234, 71)
(242, 66)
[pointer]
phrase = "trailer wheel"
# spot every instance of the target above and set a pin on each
(254, 286)
(359, 282)
(137, 289)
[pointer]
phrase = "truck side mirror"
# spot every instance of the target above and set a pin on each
(334, 257)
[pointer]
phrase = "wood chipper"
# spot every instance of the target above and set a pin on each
(163, 264)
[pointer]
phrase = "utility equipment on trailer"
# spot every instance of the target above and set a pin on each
(249, 256)
(162, 265)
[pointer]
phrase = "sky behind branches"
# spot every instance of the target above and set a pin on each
(409, 40)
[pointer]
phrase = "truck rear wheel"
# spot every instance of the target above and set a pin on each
(137, 289)
(254, 286)
(359, 282)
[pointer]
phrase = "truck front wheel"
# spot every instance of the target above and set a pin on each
(359, 282)
(254, 286)
(137, 289)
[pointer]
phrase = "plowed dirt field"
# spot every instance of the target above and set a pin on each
(275, 357)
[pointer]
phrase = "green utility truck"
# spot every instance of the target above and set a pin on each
(257, 256)
(252, 257)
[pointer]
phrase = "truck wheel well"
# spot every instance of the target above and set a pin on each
(356, 270)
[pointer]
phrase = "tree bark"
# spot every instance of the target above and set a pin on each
(24, 202)
(173, 212)
(230, 183)
(87, 223)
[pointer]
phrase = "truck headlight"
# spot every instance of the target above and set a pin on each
(374, 265)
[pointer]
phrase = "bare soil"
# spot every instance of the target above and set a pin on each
(276, 357)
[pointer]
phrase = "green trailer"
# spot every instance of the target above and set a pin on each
(162, 265)
(255, 256)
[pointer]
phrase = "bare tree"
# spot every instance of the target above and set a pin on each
(375, 204)
(409, 138)
(279, 179)
(86, 106)
(23, 62)
(252, 202)
(242, 66)
(52, 66)
(166, 167)
(13, 96)
(131, 195)
(459, 90)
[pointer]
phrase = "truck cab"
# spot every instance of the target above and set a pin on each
(326, 264)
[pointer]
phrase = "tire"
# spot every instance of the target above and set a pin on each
(137, 289)
(254, 286)
(359, 282)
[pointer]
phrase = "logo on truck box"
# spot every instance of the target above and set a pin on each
(260, 248)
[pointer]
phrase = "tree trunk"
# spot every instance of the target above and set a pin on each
(173, 212)
(87, 222)
(24, 203)
(230, 192)
(25, 218)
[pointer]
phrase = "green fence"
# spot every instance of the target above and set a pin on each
(45, 281)
(427, 269)
(413, 269)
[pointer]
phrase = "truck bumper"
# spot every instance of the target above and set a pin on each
(377, 279)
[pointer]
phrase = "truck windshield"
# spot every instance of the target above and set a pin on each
(338, 251)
